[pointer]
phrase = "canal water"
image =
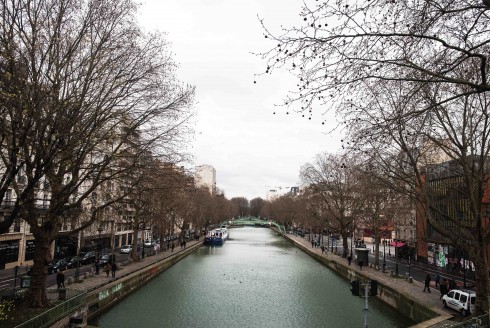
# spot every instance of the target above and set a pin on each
(256, 279)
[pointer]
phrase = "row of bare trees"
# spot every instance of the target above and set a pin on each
(408, 81)
(88, 102)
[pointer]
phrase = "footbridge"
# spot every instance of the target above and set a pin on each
(255, 222)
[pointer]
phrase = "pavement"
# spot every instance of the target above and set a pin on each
(93, 281)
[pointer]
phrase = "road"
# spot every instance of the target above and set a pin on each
(8, 277)
(416, 270)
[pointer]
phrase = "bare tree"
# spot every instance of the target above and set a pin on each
(333, 179)
(423, 69)
(86, 80)
(256, 206)
(242, 206)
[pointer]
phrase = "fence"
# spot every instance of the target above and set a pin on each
(475, 322)
(66, 301)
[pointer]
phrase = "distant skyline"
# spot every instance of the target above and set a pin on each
(237, 133)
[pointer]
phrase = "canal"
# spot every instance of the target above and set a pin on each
(257, 279)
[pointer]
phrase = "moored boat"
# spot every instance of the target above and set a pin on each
(216, 237)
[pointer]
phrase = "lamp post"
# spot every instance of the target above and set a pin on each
(384, 256)
(99, 246)
(464, 271)
(396, 257)
(328, 239)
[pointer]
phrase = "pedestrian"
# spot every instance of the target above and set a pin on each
(361, 264)
(349, 259)
(60, 279)
(323, 249)
(312, 243)
(173, 247)
(114, 268)
(437, 279)
(443, 288)
(107, 269)
(427, 283)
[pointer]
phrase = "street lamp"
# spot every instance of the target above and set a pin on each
(384, 256)
(99, 246)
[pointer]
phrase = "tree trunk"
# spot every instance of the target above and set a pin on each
(376, 252)
(36, 295)
(345, 244)
(482, 287)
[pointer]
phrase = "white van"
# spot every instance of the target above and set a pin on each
(460, 300)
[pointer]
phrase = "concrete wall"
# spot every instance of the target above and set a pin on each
(403, 303)
(106, 296)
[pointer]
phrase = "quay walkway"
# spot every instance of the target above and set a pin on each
(447, 318)
(96, 281)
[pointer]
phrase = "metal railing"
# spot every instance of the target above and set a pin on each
(482, 321)
(66, 301)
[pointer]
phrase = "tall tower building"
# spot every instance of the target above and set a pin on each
(206, 177)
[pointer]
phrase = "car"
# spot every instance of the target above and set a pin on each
(57, 265)
(462, 300)
(105, 259)
(149, 243)
(72, 262)
(87, 257)
(126, 249)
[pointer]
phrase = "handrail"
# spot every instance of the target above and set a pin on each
(50, 316)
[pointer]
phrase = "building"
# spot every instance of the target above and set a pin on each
(205, 176)
(281, 191)
(448, 202)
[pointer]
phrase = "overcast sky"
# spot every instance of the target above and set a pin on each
(237, 133)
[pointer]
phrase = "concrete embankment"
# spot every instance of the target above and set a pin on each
(406, 297)
(102, 298)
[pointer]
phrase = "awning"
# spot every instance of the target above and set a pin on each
(397, 243)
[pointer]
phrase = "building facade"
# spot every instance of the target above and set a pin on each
(205, 177)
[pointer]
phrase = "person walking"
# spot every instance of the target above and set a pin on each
(443, 288)
(60, 279)
(437, 279)
(107, 269)
(349, 259)
(114, 268)
(361, 263)
(427, 283)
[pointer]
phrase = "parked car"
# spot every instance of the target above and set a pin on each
(149, 243)
(462, 301)
(126, 249)
(107, 258)
(87, 257)
(57, 265)
(72, 262)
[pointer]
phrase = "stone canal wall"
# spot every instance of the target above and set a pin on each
(101, 299)
(399, 300)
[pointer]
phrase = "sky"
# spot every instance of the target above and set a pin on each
(236, 132)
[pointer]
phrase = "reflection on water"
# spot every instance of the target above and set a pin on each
(256, 279)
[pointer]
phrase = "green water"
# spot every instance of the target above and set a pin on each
(257, 279)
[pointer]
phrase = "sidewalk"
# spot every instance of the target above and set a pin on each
(415, 289)
(93, 281)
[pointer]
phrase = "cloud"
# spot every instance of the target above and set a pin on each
(252, 149)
